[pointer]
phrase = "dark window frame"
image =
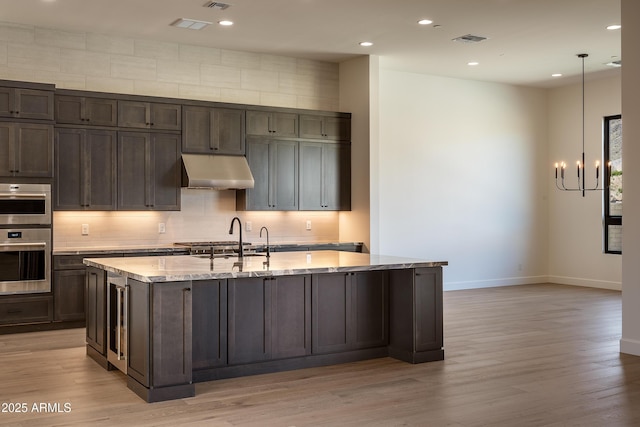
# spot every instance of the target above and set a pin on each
(609, 220)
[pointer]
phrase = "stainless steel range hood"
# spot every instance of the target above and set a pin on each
(216, 172)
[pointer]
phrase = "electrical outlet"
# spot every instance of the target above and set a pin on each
(308, 224)
(162, 228)
(85, 229)
(247, 226)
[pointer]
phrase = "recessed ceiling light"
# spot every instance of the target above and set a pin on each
(556, 75)
(614, 27)
(225, 23)
(191, 24)
(425, 22)
(473, 63)
(366, 44)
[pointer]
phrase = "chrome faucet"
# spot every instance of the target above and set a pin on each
(268, 249)
(241, 249)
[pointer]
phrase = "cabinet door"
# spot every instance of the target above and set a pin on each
(100, 112)
(283, 171)
(325, 176)
(34, 150)
(96, 313)
(85, 165)
(290, 316)
(258, 198)
(68, 295)
(371, 308)
(134, 114)
(331, 313)
(249, 318)
(325, 127)
(34, 104)
(138, 331)
(428, 294)
(70, 109)
(197, 133)
(209, 319)
(166, 116)
(148, 171)
(229, 131)
(7, 102)
(7, 149)
(171, 334)
(266, 123)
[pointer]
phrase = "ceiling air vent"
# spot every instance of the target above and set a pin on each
(469, 38)
(216, 5)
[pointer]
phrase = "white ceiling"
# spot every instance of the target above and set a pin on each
(528, 40)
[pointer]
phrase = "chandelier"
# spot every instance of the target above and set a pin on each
(580, 166)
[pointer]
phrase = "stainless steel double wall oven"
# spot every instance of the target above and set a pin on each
(25, 238)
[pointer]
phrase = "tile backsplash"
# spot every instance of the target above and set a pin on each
(204, 215)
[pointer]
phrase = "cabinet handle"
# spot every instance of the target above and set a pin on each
(186, 290)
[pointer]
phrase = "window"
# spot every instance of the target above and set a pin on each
(613, 193)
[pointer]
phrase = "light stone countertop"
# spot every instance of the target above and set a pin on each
(201, 267)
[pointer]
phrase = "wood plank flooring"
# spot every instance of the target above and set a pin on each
(536, 355)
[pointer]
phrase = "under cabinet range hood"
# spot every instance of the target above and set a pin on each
(216, 172)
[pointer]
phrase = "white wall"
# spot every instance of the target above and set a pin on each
(575, 223)
(356, 97)
(460, 177)
(630, 342)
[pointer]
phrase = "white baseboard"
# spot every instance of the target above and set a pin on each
(631, 347)
(532, 280)
(494, 283)
(576, 281)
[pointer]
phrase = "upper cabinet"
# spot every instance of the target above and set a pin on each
(26, 150)
(26, 103)
(148, 171)
(325, 127)
(149, 115)
(325, 176)
(274, 124)
(82, 110)
(207, 130)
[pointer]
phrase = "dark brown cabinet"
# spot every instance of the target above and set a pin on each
(209, 323)
(89, 111)
(273, 124)
(349, 311)
(416, 314)
(325, 176)
(159, 333)
(148, 171)
(274, 165)
(20, 310)
(26, 150)
(96, 313)
(85, 165)
(269, 318)
(149, 115)
(26, 103)
(69, 295)
(325, 127)
(213, 130)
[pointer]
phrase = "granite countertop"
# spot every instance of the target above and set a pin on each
(170, 248)
(201, 267)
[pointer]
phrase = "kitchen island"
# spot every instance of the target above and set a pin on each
(168, 322)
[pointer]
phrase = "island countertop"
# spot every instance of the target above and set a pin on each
(154, 269)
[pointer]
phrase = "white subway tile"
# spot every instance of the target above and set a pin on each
(83, 62)
(155, 49)
(132, 67)
(110, 44)
(58, 38)
(178, 72)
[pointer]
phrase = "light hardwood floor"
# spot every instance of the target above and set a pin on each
(536, 355)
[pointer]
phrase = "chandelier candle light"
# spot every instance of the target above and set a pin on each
(580, 163)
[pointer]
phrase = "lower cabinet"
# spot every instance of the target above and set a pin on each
(96, 304)
(349, 311)
(159, 335)
(25, 309)
(209, 323)
(269, 318)
(68, 295)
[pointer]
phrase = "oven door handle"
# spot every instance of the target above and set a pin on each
(9, 247)
(23, 195)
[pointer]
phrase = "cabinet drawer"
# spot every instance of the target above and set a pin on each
(74, 262)
(26, 310)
